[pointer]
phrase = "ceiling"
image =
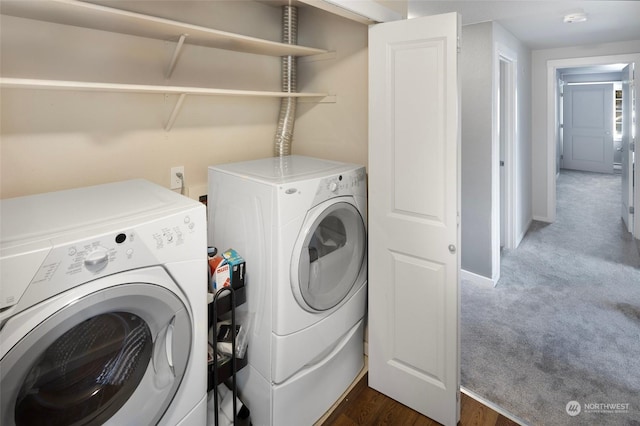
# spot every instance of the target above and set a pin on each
(539, 23)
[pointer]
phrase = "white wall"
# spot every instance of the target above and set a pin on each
(476, 68)
(479, 66)
(334, 131)
(54, 140)
(543, 181)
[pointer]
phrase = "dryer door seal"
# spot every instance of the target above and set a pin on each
(329, 256)
(108, 357)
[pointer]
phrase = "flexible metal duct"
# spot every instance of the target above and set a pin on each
(286, 120)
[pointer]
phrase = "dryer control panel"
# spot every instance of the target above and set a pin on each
(348, 183)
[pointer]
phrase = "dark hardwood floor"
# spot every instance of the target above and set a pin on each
(365, 406)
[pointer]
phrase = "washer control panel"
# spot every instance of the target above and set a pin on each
(153, 243)
(97, 259)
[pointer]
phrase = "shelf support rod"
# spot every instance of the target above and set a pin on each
(174, 113)
(176, 52)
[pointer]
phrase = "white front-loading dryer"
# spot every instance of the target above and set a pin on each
(300, 224)
(103, 315)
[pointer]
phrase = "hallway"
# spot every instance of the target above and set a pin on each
(563, 323)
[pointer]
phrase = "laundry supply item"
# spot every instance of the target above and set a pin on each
(227, 270)
(224, 334)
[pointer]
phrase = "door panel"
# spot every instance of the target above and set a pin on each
(588, 128)
(627, 156)
(413, 214)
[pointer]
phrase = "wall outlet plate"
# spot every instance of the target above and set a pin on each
(176, 182)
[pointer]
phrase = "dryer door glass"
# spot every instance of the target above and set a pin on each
(88, 373)
(332, 256)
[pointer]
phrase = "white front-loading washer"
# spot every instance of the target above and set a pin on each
(103, 307)
(300, 224)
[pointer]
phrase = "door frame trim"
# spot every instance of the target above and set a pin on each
(502, 53)
(552, 123)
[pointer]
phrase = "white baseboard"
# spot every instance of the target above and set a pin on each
(477, 279)
(493, 406)
(542, 219)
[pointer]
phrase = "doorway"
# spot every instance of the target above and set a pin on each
(553, 120)
(505, 153)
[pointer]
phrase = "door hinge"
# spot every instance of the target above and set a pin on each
(632, 147)
(632, 210)
(562, 126)
(458, 45)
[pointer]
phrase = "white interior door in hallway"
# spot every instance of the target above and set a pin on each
(414, 199)
(588, 127)
(627, 163)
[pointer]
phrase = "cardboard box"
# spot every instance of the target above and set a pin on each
(227, 269)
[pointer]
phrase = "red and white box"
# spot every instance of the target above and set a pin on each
(227, 270)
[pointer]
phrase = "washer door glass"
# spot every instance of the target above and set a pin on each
(332, 256)
(89, 372)
(114, 356)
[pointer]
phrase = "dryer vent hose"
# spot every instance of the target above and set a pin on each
(286, 120)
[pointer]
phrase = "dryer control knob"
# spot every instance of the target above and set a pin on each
(333, 187)
(97, 260)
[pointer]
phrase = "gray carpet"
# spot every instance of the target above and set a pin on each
(563, 323)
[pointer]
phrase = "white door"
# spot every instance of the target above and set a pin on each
(414, 196)
(627, 138)
(588, 128)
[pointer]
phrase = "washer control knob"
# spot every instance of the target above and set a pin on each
(333, 187)
(97, 260)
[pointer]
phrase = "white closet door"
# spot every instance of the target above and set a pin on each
(414, 196)
(588, 128)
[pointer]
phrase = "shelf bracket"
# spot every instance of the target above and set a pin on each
(176, 53)
(174, 113)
